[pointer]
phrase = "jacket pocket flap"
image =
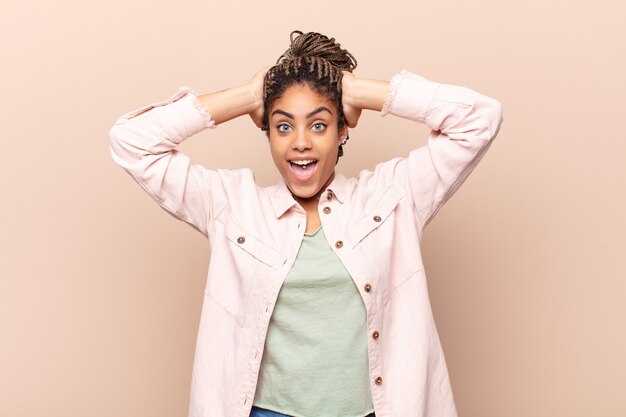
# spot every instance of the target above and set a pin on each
(376, 216)
(249, 243)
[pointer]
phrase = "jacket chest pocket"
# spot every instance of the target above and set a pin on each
(376, 218)
(377, 239)
(237, 259)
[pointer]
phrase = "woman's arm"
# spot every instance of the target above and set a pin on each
(463, 125)
(361, 94)
(234, 102)
(228, 104)
(143, 143)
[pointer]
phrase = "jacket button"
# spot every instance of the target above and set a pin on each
(329, 195)
(377, 218)
(378, 380)
(338, 244)
(367, 287)
(327, 210)
(375, 334)
(241, 239)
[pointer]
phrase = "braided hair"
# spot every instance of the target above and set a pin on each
(312, 59)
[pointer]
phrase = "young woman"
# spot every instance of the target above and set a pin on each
(316, 302)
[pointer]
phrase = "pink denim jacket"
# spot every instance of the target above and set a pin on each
(374, 223)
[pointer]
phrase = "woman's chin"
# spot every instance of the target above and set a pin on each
(303, 192)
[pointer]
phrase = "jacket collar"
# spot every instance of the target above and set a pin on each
(282, 199)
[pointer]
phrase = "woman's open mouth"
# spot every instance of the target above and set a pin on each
(303, 169)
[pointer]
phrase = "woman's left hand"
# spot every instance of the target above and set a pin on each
(351, 110)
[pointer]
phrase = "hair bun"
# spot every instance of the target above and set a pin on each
(313, 44)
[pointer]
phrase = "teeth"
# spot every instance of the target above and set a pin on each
(303, 162)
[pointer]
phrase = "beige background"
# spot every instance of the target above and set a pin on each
(101, 290)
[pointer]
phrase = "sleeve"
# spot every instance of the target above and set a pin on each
(463, 125)
(142, 142)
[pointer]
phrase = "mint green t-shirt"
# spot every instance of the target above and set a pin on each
(315, 357)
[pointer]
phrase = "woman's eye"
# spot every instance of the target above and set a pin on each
(319, 127)
(283, 128)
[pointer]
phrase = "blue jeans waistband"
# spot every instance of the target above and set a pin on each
(262, 412)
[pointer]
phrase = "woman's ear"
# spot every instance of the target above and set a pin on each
(343, 134)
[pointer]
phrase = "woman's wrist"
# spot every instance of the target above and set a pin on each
(230, 103)
(367, 94)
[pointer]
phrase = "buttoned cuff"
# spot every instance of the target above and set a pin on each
(181, 116)
(410, 96)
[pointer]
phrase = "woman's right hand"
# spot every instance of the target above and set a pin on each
(255, 85)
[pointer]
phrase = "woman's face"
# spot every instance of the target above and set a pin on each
(304, 140)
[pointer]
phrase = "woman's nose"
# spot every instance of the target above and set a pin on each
(301, 141)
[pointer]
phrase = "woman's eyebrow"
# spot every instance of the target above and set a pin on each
(311, 114)
(278, 111)
(319, 109)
